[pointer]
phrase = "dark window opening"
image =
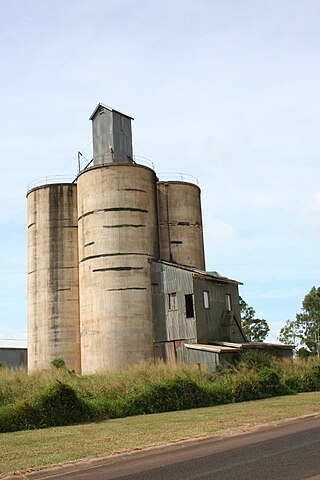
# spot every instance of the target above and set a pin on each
(189, 305)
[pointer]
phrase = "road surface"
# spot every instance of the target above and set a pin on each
(287, 451)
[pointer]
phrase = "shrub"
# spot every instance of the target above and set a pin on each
(310, 378)
(58, 363)
(315, 374)
(245, 387)
(174, 394)
(269, 382)
(294, 383)
(220, 392)
(56, 397)
(256, 359)
(59, 405)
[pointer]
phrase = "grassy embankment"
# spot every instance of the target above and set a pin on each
(33, 449)
(57, 397)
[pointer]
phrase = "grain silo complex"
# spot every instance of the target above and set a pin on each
(116, 267)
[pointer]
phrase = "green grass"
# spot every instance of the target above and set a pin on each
(57, 397)
(32, 449)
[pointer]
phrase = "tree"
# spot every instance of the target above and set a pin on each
(305, 329)
(309, 321)
(290, 334)
(255, 329)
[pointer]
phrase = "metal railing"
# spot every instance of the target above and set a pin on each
(51, 179)
(172, 176)
(143, 161)
(84, 163)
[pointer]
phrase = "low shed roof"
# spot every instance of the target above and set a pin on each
(253, 345)
(12, 343)
(210, 348)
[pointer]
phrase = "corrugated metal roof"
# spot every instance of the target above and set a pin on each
(12, 343)
(196, 271)
(257, 345)
(108, 108)
(210, 348)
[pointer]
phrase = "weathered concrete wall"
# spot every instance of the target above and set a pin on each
(118, 233)
(53, 295)
(181, 235)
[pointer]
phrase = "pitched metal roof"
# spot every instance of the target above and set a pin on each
(110, 109)
(202, 273)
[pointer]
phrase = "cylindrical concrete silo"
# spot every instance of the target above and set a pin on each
(180, 219)
(118, 234)
(53, 293)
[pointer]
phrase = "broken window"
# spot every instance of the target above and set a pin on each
(189, 305)
(206, 299)
(173, 301)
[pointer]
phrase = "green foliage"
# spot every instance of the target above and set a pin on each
(245, 387)
(220, 392)
(309, 321)
(303, 352)
(58, 363)
(289, 333)
(305, 329)
(295, 384)
(59, 405)
(174, 394)
(270, 383)
(54, 397)
(256, 358)
(255, 329)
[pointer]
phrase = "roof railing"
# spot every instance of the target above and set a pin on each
(50, 179)
(172, 176)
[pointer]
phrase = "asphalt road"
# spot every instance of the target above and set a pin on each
(287, 451)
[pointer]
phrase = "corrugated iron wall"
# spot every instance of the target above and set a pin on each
(171, 324)
(212, 322)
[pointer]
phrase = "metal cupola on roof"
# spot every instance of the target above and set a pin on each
(112, 136)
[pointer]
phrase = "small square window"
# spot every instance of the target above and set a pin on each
(206, 303)
(228, 302)
(172, 301)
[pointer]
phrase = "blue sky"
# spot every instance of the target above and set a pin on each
(225, 90)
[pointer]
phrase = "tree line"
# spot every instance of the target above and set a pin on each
(303, 332)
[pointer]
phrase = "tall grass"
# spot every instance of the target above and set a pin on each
(58, 397)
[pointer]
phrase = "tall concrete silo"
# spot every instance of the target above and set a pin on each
(118, 234)
(53, 292)
(180, 219)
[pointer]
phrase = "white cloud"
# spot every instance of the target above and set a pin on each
(218, 234)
